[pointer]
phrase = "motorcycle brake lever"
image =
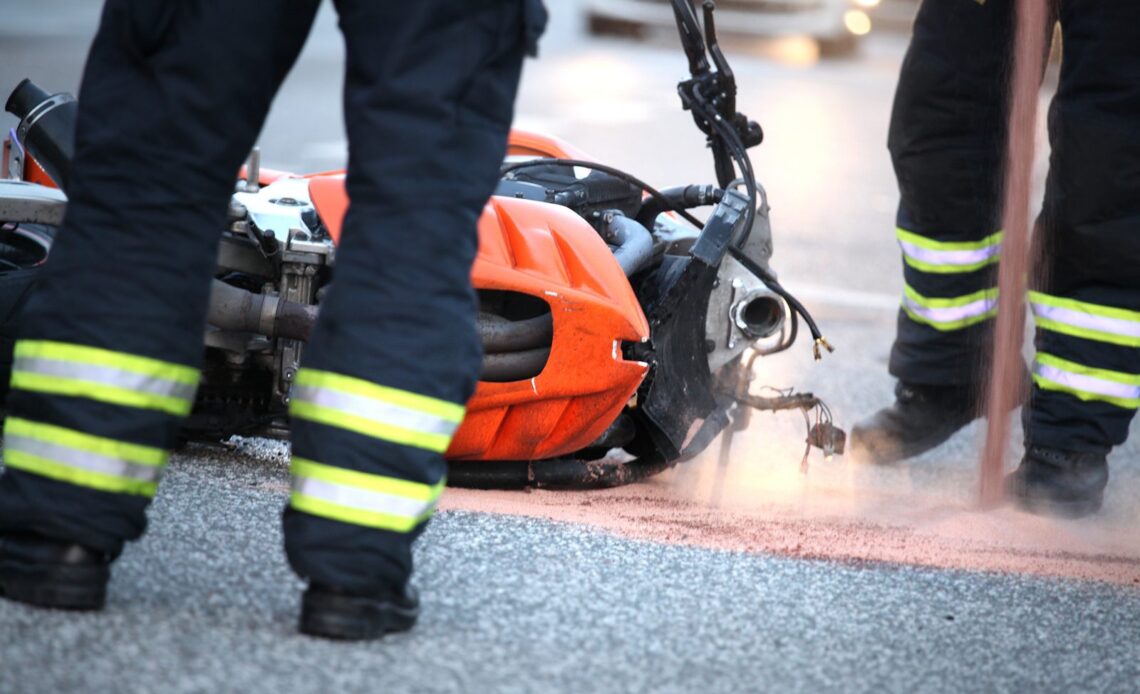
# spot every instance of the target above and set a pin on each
(713, 45)
(749, 131)
(691, 39)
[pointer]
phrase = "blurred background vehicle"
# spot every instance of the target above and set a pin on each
(835, 25)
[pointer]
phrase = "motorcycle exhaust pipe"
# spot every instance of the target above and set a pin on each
(233, 308)
(759, 313)
(46, 128)
(239, 310)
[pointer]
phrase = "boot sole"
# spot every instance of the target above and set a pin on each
(347, 618)
(54, 586)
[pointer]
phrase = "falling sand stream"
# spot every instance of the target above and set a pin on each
(1009, 329)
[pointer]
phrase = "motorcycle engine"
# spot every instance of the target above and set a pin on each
(274, 245)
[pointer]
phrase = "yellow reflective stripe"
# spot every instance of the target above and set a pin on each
(948, 257)
(82, 459)
(953, 313)
(402, 398)
(381, 412)
(1045, 383)
(946, 326)
(948, 302)
(344, 514)
(60, 368)
(1109, 324)
(349, 496)
(83, 478)
(910, 237)
(1086, 333)
(437, 443)
(302, 467)
(134, 453)
(55, 385)
(948, 269)
(1073, 367)
(82, 354)
(1084, 307)
(1085, 382)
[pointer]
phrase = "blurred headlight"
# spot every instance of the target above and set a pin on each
(857, 22)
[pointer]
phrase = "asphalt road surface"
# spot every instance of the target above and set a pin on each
(206, 604)
(843, 579)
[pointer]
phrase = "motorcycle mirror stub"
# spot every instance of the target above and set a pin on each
(46, 128)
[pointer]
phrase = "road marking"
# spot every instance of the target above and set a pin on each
(841, 296)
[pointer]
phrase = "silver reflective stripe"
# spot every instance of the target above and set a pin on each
(952, 314)
(105, 376)
(374, 410)
(1087, 321)
(1087, 384)
(949, 258)
(362, 499)
(81, 459)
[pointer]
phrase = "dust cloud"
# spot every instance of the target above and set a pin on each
(922, 513)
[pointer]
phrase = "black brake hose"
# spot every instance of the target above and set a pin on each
(611, 171)
(731, 139)
(682, 197)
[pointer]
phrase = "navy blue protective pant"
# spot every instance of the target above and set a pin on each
(173, 97)
(947, 141)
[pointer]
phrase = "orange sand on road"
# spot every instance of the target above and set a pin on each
(923, 515)
(952, 538)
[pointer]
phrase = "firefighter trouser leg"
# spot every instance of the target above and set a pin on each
(172, 99)
(1087, 302)
(947, 145)
(107, 359)
(395, 354)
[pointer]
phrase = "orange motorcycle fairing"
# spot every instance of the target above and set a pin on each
(551, 253)
(31, 171)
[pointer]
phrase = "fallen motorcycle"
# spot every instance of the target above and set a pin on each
(619, 330)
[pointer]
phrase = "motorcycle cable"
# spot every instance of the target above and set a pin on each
(725, 135)
(818, 340)
(732, 142)
(739, 153)
(628, 178)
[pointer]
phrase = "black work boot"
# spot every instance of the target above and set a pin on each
(1062, 483)
(921, 418)
(51, 573)
(336, 614)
